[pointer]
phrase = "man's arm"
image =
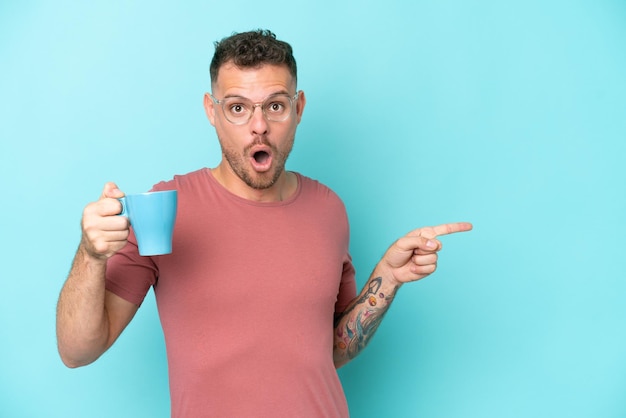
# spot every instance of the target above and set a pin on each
(89, 318)
(410, 258)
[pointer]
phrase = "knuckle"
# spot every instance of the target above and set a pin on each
(89, 229)
(100, 247)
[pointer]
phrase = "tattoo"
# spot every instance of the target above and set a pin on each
(365, 315)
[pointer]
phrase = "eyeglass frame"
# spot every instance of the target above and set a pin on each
(291, 99)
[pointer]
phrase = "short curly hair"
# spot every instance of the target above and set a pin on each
(252, 49)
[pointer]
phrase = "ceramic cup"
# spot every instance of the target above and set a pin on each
(152, 216)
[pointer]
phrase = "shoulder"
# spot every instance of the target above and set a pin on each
(317, 191)
(321, 206)
(310, 185)
(191, 180)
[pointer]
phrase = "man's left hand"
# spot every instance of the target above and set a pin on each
(414, 256)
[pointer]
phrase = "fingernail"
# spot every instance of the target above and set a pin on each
(430, 244)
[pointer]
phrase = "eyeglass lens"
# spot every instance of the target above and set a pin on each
(239, 110)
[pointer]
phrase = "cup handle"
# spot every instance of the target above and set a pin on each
(124, 212)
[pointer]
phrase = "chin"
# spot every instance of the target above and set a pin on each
(261, 181)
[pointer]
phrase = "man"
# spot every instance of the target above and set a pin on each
(257, 300)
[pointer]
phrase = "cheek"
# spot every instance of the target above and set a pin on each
(289, 133)
(225, 132)
(231, 140)
(224, 138)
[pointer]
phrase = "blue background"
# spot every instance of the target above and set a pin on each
(511, 115)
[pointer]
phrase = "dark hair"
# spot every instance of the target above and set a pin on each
(252, 49)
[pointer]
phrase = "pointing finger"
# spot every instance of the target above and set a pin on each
(444, 229)
(452, 228)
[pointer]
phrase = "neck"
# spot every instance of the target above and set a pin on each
(282, 189)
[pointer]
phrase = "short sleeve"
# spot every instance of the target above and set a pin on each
(130, 275)
(347, 287)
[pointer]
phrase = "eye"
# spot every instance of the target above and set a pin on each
(276, 106)
(236, 108)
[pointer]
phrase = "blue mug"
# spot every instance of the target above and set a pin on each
(152, 216)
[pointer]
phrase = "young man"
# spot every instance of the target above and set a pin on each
(257, 301)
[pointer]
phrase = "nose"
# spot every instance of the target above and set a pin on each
(258, 123)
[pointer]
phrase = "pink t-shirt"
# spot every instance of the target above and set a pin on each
(247, 299)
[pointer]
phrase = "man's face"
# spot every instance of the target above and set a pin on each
(256, 151)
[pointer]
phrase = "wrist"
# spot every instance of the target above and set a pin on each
(385, 272)
(89, 257)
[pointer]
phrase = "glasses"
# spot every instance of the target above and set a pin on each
(239, 110)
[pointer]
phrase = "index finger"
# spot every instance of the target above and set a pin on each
(452, 228)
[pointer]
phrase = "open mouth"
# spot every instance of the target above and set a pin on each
(261, 160)
(261, 157)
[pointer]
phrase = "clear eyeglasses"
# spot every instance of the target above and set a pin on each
(239, 110)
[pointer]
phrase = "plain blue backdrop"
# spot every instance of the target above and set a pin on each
(511, 115)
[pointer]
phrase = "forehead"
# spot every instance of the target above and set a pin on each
(253, 82)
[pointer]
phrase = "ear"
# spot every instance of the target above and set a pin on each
(300, 103)
(209, 108)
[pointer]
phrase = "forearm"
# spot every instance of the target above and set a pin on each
(82, 322)
(357, 324)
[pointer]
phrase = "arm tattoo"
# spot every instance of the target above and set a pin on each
(364, 317)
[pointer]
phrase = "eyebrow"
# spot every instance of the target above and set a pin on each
(237, 96)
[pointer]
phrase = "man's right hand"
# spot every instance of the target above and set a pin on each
(104, 233)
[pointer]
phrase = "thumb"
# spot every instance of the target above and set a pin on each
(111, 191)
